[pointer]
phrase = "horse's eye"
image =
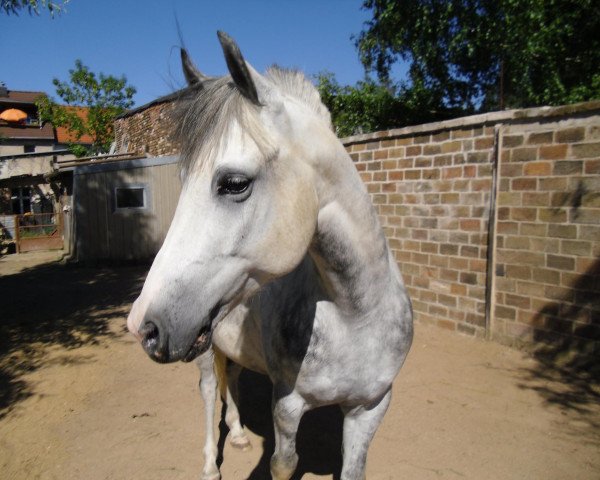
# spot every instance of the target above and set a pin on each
(233, 185)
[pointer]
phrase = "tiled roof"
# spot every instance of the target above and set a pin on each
(64, 136)
(27, 131)
(16, 96)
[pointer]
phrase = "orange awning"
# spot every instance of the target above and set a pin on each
(13, 115)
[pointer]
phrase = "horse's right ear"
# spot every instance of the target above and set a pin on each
(193, 76)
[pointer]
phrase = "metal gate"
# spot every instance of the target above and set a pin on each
(33, 231)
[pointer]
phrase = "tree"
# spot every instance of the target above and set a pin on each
(481, 55)
(370, 106)
(33, 6)
(105, 97)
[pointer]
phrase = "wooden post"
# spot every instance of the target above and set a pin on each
(17, 236)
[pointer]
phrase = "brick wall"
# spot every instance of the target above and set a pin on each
(532, 179)
(525, 183)
(147, 130)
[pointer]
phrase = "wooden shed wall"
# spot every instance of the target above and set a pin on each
(104, 233)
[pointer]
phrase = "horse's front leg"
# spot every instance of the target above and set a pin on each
(232, 417)
(208, 390)
(287, 412)
(360, 424)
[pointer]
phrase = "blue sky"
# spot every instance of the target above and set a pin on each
(137, 39)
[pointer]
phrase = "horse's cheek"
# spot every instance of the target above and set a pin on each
(293, 225)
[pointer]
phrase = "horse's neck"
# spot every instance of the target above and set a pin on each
(349, 248)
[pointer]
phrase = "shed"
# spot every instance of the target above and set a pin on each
(123, 209)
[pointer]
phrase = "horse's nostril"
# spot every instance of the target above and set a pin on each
(150, 335)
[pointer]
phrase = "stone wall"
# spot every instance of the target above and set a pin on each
(146, 131)
(495, 220)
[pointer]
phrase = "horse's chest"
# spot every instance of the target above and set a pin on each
(239, 338)
(342, 364)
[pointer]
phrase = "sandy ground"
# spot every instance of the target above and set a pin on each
(80, 400)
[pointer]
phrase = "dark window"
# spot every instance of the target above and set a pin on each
(20, 199)
(130, 197)
(28, 148)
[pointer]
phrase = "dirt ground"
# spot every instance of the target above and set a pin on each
(80, 400)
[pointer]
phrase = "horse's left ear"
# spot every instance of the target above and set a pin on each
(238, 69)
(193, 76)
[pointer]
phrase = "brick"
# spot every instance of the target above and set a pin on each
(556, 184)
(365, 156)
(523, 214)
(591, 200)
(533, 229)
(552, 215)
(422, 139)
(512, 140)
(570, 135)
(441, 136)
(505, 312)
(470, 224)
(477, 157)
(431, 174)
(578, 248)
(553, 152)
(525, 154)
(373, 146)
(521, 272)
(508, 227)
(484, 143)
(374, 166)
(442, 160)
(509, 198)
(531, 289)
(461, 133)
(567, 167)
(592, 167)
(537, 168)
(546, 276)
(432, 150)
(524, 183)
(381, 154)
(413, 151)
(452, 172)
(562, 231)
(536, 199)
(451, 147)
(511, 170)
(397, 152)
(589, 232)
(517, 243)
(537, 138)
(518, 301)
(396, 175)
(585, 215)
(388, 187)
(586, 150)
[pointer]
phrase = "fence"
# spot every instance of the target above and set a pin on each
(29, 232)
(495, 220)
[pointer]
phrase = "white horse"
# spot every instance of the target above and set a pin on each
(276, 255)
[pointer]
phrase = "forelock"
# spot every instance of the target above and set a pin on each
(203, 117)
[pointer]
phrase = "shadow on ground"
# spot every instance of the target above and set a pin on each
(56, 305)
(567, 350)
(319, 440)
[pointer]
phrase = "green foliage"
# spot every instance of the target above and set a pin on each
(369, 106)
(13, 7)
(105, 97)
(487, 54)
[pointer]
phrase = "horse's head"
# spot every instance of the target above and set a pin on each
(248, 208)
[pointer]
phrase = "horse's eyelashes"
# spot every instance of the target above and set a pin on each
(233, 184)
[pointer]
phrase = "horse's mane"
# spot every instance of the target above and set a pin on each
(204, 114)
